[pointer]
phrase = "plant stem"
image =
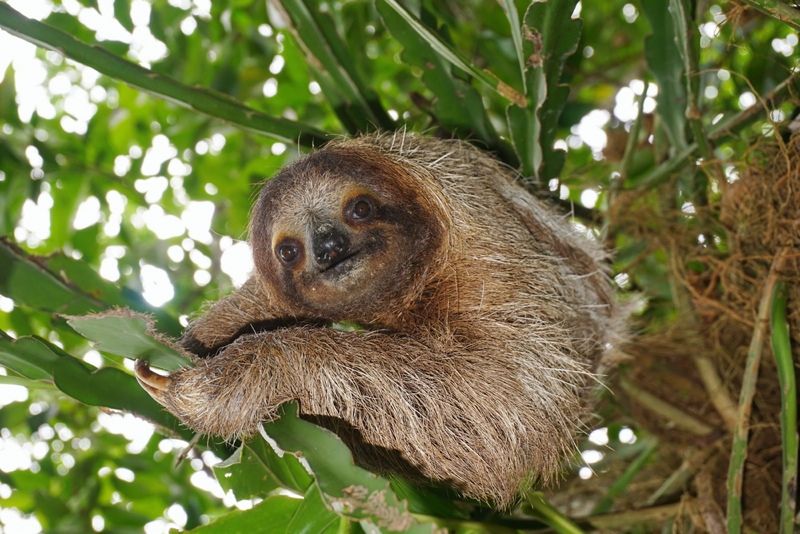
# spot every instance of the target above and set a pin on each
(633, 138)
(678, 479)
(211, 103)
(624, 520)
(742, 430)
(548, 513)
(619, 485)
(782, 350)
(779, 10)
(717, 392)
(678, 417)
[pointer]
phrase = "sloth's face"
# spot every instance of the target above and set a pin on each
(337, 237)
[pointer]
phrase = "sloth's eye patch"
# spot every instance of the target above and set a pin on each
(289, 251)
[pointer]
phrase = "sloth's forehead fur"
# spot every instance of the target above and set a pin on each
(319, 186)
(314, 196)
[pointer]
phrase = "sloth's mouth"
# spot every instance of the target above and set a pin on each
(339, 265)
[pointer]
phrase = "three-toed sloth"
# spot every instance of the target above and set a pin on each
(485, 317)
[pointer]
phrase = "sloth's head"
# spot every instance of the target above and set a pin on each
(343, 233)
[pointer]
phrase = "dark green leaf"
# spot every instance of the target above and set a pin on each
(271, 515)
(131, 335)
(31, 284)
(665, 62)
(551, 36)
(347, 487)
(356, 104)
(458, 107)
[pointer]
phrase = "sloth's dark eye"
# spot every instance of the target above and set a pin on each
(288, 251)
(361, 210)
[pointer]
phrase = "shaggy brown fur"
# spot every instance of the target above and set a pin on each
(487, 317)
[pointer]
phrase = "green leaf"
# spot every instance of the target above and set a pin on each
(131, 335)
(313, 516)
(353, 490)
(271, 515)
(122, 12)
(458, 106)
(25, 382)
(30, 357)
(432, 501)
(665, 61)
(358, 106)
(525, 126)
(37, 359)
(29, 283)
(65, 203)
(63, 285)
(510, 7)
(254, 470)
(440, 49)
(8, 97)
(551, 36)
(285, 469)
(111, 388)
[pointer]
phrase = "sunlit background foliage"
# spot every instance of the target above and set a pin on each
(155, 197)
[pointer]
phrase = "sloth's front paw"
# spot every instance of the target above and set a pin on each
(154, 384)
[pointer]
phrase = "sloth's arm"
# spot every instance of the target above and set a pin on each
(330, 372)
(228, 318)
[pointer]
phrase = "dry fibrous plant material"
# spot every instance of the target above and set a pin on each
(754, 219)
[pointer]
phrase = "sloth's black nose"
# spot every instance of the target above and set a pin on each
(330, 247)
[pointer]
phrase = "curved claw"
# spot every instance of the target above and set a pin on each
(154, 384)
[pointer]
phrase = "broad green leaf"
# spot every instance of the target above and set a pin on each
(63, 285)
(313, 515)
(286, 469)
(432, 501)
(112, 388)
(253, 471)
(108, 386)
(131, 335)
(31, 357)
(345, 486)
(37, 359)
(356, 104)
(458, 106)
(551, 36)
(25, 382)
(271, 515)
(444, 51)
(665, 61)
(30, 284)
